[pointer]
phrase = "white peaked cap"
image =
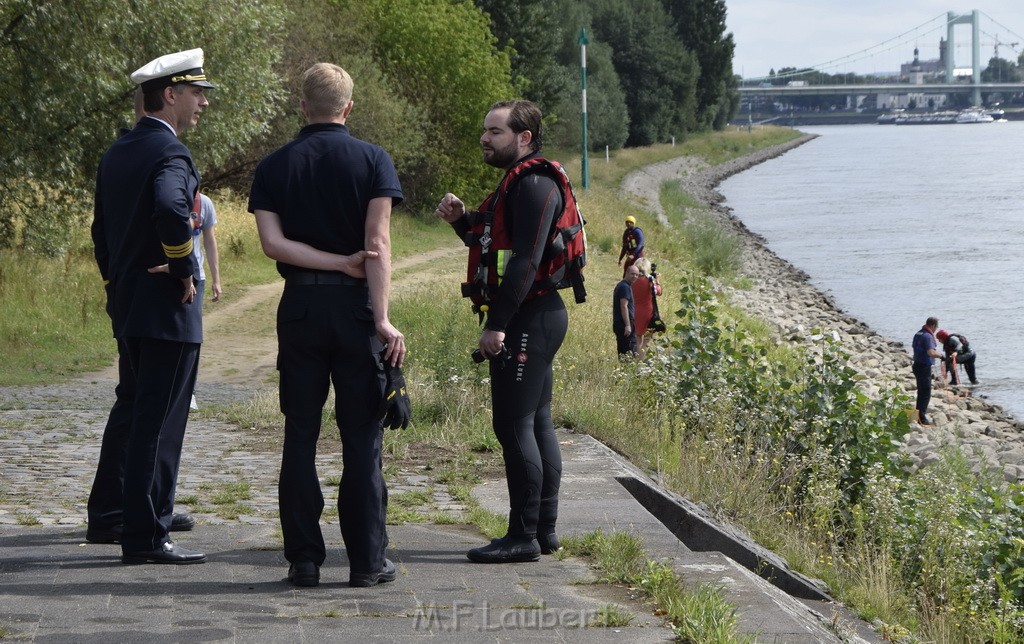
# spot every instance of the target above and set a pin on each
(171, 69)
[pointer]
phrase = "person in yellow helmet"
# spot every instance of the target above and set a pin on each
(632, 243)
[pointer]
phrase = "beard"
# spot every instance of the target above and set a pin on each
(502, 157)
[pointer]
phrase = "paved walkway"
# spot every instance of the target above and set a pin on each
(55, 587)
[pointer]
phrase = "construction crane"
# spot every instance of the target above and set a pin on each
(1011, 45)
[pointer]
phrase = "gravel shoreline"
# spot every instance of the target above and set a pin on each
(784, 296)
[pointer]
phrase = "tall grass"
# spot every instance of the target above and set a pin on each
(52, 318)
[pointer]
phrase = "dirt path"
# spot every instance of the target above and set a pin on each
(248, 357)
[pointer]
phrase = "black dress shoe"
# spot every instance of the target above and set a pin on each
(548, 542)
(182, 522)
(506, 550)
(103, 535)
(304, 573)
(168, 553)
(179, 523)
(367, 579)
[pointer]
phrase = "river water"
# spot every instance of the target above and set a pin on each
(901, 222)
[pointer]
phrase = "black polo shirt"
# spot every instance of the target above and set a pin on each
(320, 185)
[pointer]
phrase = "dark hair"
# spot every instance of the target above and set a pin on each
(932, 321)
(523, 116)
(153, 100)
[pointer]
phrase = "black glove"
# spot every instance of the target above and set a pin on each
(395, 409)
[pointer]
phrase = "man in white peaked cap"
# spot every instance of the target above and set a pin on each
(145, 189)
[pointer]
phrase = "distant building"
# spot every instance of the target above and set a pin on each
(921, 72)
(925, 68)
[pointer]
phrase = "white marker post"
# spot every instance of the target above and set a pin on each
(583, 41)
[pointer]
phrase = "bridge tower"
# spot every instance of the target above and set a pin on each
(973, 19)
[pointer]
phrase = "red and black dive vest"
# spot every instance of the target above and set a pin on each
(490, 243)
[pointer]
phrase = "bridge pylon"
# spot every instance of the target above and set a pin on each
(974, 20)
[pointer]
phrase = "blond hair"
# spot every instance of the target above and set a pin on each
(644, 265)
(327, 90)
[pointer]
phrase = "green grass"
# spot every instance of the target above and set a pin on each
(698, 615)
(611, 616)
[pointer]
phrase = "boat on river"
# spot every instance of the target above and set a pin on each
(927, 118)
(889, 117)
(974, 115)
(969, 115)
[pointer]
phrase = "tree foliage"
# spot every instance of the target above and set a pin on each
(1000, 70)
(446, 61)
(381, 115)
(425, 72)
(529, 31)
(66, 90)
(701, 26)
(607, 114)
(658, 74)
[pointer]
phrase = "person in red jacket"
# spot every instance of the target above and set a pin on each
(645, 289)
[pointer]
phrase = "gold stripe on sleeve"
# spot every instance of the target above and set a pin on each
(177, 252)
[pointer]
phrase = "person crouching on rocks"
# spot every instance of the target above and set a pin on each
(958, 352)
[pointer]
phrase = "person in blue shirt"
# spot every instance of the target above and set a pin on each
(924, 351)
(323, 204)
(623, 314)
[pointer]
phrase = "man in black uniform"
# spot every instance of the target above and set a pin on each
(105, 507)
(323, 208)
(527, 324)
(144, 192)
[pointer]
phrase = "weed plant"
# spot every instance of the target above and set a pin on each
(697, 615)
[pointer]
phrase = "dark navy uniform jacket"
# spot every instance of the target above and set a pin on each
(144, 191)
(320, 185)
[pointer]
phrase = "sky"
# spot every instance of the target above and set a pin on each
(863, 36)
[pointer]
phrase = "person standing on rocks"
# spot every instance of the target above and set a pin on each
(322, 205)
(924, 351)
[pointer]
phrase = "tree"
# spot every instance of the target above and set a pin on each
(382, 115)
(607, 115)
(445, 60)
(658, 74)
(66, 89)
(529, 31)
(1000, 70)
(701, 27)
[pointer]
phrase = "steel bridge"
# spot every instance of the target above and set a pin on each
(875, 89)
(951, 86)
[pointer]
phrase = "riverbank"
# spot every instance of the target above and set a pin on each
(785, 296)
(798, 119)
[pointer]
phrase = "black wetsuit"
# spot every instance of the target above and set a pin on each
(521, 384)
